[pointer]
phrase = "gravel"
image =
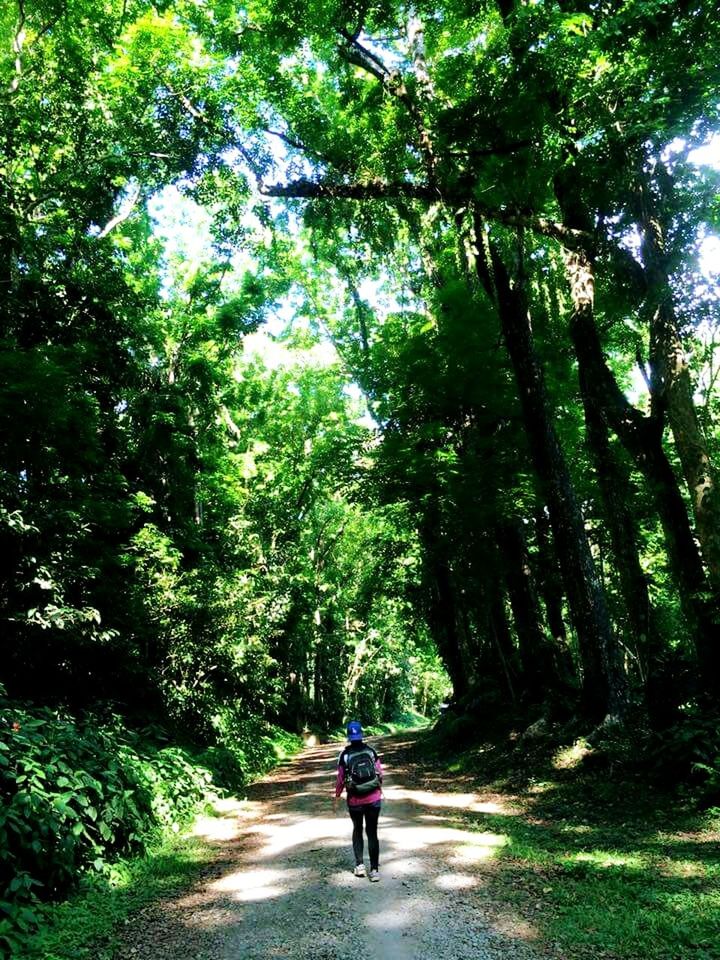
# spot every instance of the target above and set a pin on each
(282, 886)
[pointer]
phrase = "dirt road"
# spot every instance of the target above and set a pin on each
(282, 886)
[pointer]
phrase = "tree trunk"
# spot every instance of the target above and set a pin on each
(549, 581)
(538, 666)
(614, 483)
(672, 387)
(502, 640)
(603, 683)
(642, 438)
(442, 613)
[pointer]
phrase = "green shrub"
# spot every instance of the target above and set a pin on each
(246, 745)
(74, 796)
(78, 794)
(690, 750)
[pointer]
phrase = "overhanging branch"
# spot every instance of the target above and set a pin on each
(381, 190)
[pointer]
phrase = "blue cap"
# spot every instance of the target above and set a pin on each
(354, 730)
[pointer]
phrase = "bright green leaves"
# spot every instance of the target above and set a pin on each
(578, 24)
(75, 796)
(160, 85)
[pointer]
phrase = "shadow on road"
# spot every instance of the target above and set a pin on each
(283, 887)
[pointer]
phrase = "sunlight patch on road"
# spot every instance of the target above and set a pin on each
(253, 885)
(456, 881)
(225, 821)
(412, 912)
(452, 801)
(468, 847)
(216, 829)
(279, 837)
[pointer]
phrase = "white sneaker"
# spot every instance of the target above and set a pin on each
(374, 876)
(359, 870)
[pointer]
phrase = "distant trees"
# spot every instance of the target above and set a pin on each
(520, 174)
(183, 530)
(492, 212)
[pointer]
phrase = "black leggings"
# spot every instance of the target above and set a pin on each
(371, 815)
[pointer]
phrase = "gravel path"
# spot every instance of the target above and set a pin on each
(282, 885)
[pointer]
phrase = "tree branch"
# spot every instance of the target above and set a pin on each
(17, 46)
(363, 58)
(394, 83)
(125, 210)
(381, 190)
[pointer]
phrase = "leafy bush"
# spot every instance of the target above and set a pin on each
(689, 751)
(246, 746)
(74, 795)
(711, 785)
(77, 794)
(693, 740)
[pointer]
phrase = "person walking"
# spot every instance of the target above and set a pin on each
(360, 774)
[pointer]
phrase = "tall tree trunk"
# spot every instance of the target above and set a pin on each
(642, 438)
(549, 580)
(614, 483)
(672, 387)
(603, 683)
(442, 613)
(502, 640)
(539, 670)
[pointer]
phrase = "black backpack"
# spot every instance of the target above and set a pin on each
(361, 775)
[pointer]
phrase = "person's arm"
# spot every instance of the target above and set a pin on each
(339, 781)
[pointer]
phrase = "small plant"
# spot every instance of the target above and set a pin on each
(690, 750)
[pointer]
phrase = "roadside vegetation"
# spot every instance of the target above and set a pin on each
(83, 799)
(85, 925)
(356, 356)
(594, 846)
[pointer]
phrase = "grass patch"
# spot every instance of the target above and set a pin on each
(617, 892)
(82, 928)
(604, 865)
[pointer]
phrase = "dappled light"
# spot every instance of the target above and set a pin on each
(360, 379)
(216, 829)
(603, 858)
(421, 837)
(420, 911)
(571, 756)
(451, 801)
(456, 881)
(282, 853)
(252, 885)
(477, 852)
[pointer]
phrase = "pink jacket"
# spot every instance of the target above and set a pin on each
(373, 797)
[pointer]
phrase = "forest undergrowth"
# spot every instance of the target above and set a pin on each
(605, 853)
(89, 803)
